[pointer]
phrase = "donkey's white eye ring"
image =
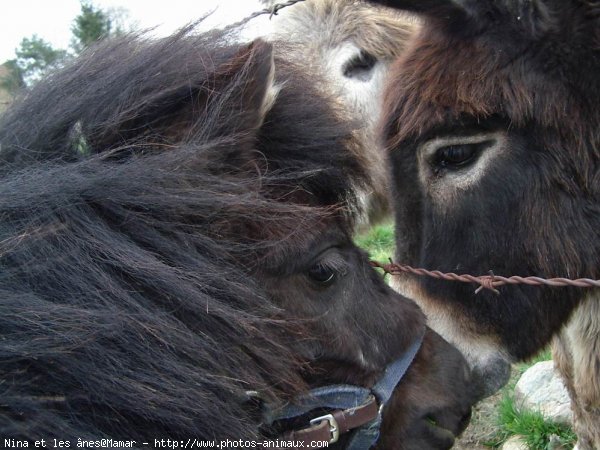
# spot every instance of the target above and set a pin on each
(453, 156)
(457, 156)
(360, 66)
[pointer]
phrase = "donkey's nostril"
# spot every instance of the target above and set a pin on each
(489, 377)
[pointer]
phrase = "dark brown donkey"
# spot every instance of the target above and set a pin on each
(177, 260)
(493, 124)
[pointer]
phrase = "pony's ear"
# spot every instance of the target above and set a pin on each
(227, 98)
(240, 93)
(236, 96)
(247, 84)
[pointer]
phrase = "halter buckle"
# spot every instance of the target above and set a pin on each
(334, 429)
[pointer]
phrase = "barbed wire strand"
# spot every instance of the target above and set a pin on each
(490, 281)
(271, 11)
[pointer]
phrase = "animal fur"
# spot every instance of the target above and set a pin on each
(332, 37)
(162, 203)
(518, 78)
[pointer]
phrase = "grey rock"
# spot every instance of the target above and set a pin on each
(541, 389)
(515, 443)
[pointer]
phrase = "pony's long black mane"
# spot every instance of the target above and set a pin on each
(138, 196)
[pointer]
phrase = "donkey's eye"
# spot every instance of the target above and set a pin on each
(455, 156)
(322, 274)
(360, 66)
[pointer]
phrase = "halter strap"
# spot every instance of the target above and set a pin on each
(394, 372)
(329, 427)
(355, 409)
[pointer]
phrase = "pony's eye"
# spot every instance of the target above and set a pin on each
(322, 274)
(455, 156)
(360, 66)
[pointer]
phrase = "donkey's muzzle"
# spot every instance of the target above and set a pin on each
(490, 377)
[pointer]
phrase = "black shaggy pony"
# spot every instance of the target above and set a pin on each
(173, 235)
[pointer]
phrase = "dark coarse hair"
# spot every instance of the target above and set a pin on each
(140, 189)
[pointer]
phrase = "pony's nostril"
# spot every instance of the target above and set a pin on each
(464, 422)
(452, 419)
(440, 432)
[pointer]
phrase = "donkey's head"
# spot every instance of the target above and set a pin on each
(492, 123)
(351, 45)
(350, 42)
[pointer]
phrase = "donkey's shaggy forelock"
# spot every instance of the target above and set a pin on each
(133, 217)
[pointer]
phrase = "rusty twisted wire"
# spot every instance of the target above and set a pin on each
(271, 11)
(490, 281)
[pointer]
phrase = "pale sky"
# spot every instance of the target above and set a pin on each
(52, 19)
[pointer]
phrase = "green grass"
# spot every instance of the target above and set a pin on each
(378, 242)
(531, 426)
(543, 355)
(535, 430)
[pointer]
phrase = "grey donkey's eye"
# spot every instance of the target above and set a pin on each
(360, 66)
